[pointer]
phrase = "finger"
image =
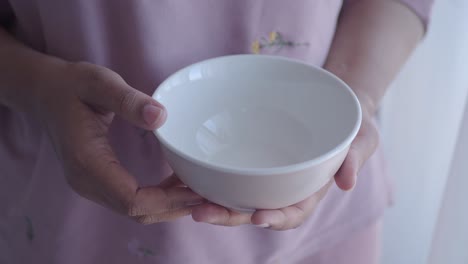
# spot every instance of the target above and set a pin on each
(107, 90)
(95, 172)
(165, 217)
(346, 176)
(360, 150)
(218, 215)
(156, 200)
(292, 216)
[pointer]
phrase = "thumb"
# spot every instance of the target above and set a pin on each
(107, 90)
(360, 151)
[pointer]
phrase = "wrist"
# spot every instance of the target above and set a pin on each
(368, 96)
(46, 74)
(369, 105)
(27, 81)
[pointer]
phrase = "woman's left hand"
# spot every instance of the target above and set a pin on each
(293, 216)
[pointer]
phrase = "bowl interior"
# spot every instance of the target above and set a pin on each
(254, 112)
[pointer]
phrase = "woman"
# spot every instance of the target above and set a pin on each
(74, 83)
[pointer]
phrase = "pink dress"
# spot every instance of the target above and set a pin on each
(43, 221)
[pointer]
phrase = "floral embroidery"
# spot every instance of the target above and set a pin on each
(273, 36)
(29, 229)
(275, 39)
(256, 47)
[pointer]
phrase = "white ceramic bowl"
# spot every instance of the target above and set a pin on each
(256, 132)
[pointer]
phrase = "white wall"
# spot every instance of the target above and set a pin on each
(450, 242)
(420, 124)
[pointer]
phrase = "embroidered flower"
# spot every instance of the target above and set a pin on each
(275, 39)
(256, 47)
(273, 36)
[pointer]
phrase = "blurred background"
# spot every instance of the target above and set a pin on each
(425, 133)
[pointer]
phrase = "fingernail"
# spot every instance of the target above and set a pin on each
(152, 114)
(265, 225)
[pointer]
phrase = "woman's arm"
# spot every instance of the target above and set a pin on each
(373, 40)
(21, 71)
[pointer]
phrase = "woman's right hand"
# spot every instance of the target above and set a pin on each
(77, 107)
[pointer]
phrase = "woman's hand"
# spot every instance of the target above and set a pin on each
(77, 107)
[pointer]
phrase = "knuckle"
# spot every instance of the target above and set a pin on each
(228, 219)
(299, 218)
(173, 205)
(135, 207)
(92, 73)
(132, 209)
(127, 100)
(163, 198)
(282, 225)
(147, 219)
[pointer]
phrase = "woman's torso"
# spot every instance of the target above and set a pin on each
(42, 220)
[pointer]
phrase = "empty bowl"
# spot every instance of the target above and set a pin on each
(256, 132)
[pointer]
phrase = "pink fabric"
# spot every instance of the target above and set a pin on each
(361, 247)
(422, 8)
(43, 221)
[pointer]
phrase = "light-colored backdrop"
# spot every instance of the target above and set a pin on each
(427, 151)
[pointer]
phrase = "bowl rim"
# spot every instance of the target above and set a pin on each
(291, 168)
